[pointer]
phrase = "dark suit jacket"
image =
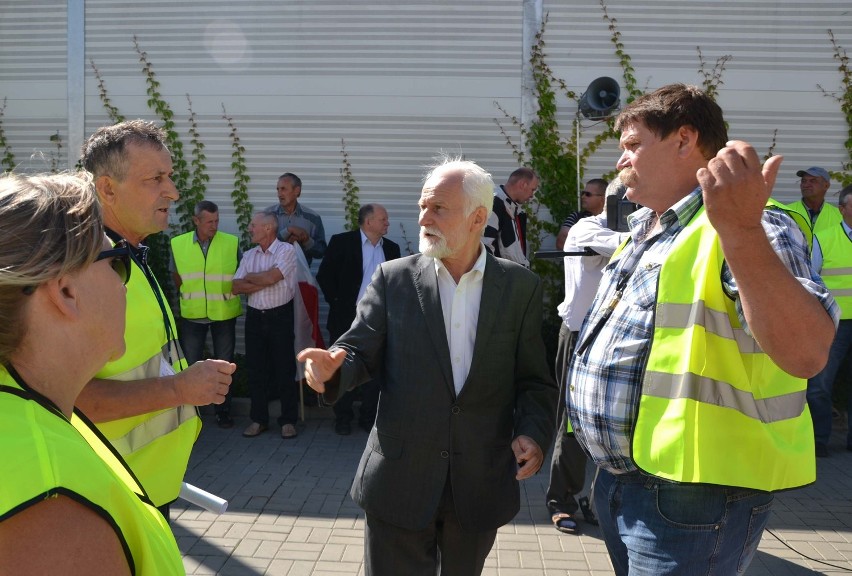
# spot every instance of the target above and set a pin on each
(423, 431)
(340, 274)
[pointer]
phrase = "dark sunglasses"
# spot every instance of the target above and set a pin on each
(119, 259)
(120, 262)
(587, 194)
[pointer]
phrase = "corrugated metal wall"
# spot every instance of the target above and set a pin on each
(402, 80)
(780, 52)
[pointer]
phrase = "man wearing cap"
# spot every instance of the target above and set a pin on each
(814, 183)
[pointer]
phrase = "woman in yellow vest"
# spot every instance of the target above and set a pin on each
(68, 503)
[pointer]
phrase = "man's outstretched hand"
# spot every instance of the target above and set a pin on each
(320, 365)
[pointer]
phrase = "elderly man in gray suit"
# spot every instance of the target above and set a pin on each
(467, 404)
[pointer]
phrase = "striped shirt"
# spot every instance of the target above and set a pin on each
(279, 255)
(605, 378)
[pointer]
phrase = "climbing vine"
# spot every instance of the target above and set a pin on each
(56, 155)
(239, 193)
(111, 110)
(8, 159)
(194, 193)
(158, 105)
(845, 100)
(351, 202)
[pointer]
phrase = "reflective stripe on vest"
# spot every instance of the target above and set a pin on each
(206, 282)
(714, 407)
(161, 424)
(837, 267)
(45, 454)
(161, 453)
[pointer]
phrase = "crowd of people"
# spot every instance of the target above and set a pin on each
(671, 349)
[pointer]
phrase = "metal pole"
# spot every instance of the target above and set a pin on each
(577, 155)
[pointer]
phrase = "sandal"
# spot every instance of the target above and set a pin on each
(565, 522)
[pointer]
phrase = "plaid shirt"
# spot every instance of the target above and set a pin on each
(607, 370)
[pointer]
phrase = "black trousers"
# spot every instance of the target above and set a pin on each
(271, 362)
(568, 465)
(442, 548)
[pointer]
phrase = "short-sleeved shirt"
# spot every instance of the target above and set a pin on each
(280, 255)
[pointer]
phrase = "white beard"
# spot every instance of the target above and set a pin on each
(435, 245)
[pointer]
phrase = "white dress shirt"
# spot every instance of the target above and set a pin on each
(280, 255)
(460, 305)
(371, 257)
(583, 273)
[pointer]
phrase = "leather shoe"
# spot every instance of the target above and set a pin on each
(342, 428)
(224, 420)
(255, 429)
(288, 431)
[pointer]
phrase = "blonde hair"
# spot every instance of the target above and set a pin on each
(51, 227)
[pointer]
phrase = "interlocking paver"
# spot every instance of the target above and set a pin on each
(290, 514)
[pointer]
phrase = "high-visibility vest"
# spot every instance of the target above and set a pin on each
(714, 407)
(828, 216)
(837, 266)
(205, 290)
(156, 445)
(801, 220)
(45, 454)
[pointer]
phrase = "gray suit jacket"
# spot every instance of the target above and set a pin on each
(424, 432)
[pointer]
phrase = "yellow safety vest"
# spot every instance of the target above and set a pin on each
(156, 445)
(46, 455)
(802, 221)
(837, 266)
(205, 290)
(828, 216)
(715, 408)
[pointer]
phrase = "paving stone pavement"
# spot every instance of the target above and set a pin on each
(290, 514)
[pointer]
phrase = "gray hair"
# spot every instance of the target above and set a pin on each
(105, 152)
(51, 227)
(476, 182)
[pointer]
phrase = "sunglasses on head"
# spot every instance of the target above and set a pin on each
(119, 257)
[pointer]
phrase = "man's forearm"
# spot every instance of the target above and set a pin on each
(105, 400)
(788, 322)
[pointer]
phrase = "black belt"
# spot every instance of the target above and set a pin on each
(271, 312)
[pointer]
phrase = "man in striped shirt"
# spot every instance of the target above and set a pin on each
(267, 274)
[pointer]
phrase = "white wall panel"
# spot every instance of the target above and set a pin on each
(402, 80)
(780, 53)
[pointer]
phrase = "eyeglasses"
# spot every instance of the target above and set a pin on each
(120, 262)
(587, 194)
(119, 259)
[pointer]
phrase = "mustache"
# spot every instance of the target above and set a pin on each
(627, 176)
(431, 231)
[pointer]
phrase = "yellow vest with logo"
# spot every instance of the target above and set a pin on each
(715, 409)
(837, 266)
(828, 216)
(156, 445)
(205, 290)
(46, 455)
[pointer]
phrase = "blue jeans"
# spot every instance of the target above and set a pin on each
(819, 387)
(653, 527)
(192, 338)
